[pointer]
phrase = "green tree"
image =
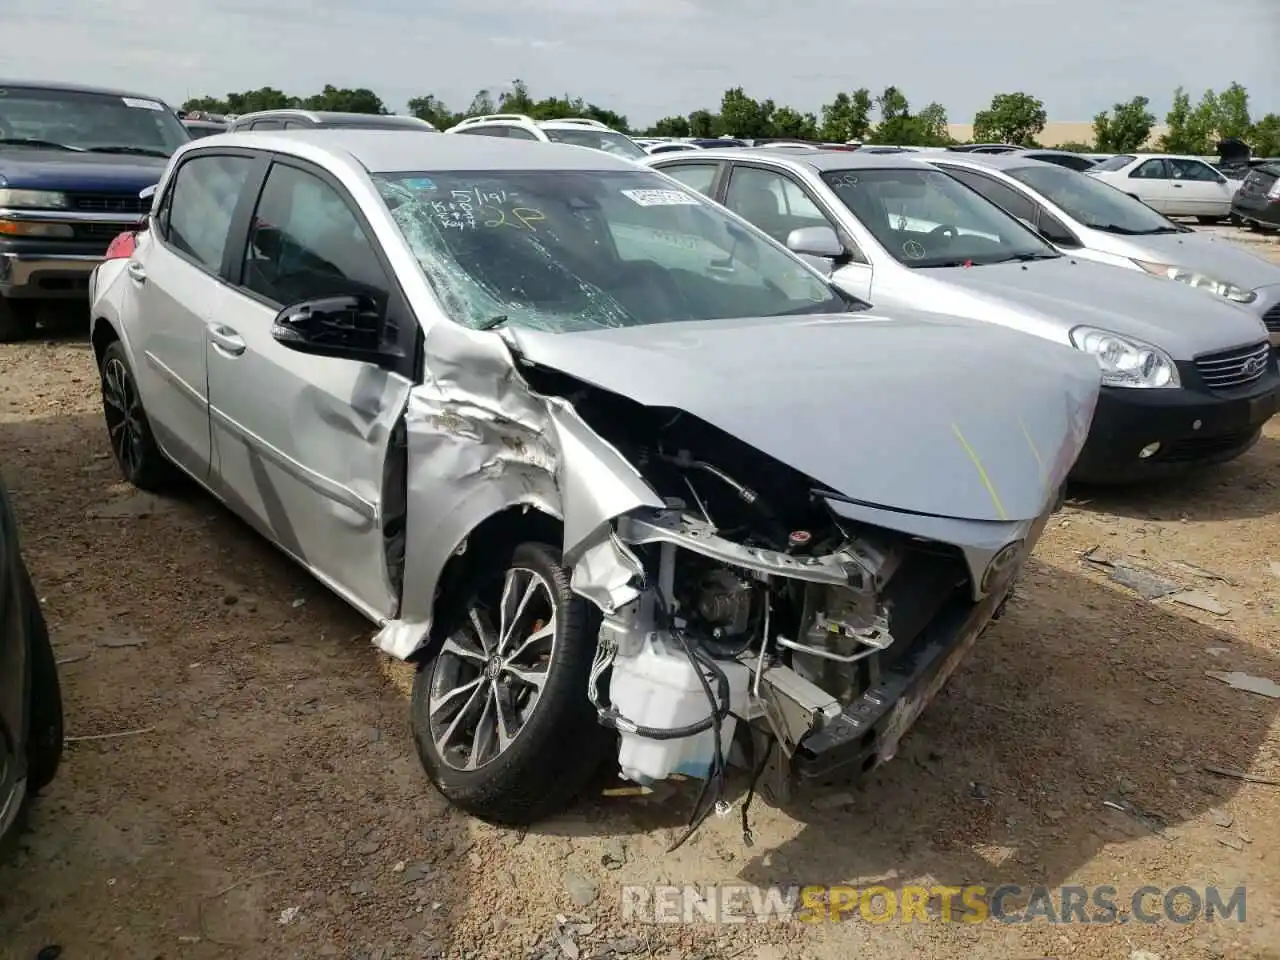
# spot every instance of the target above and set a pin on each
(517, 100)
(932, 126)
(1190, 129)
(670, 127)
(1264, 138)
(264, 98)
(1011, 118)
(741, 116)
(346, 100)
(433, 110)
(847, 117)
(1126, 128)
(898, 125)
(481, 104)
(1231, 113)
(1075, 146)
(205, 105)
(792, 123)
(704, 123)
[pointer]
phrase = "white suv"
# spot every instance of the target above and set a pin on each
(578, 131)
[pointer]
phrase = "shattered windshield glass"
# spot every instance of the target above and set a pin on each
(564, 250)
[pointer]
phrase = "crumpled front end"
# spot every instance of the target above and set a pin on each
(736, 593)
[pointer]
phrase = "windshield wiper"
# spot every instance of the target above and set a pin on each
(1129, 232)
(494, 322)
(140, 151)
(1026, 257)
(38, 143)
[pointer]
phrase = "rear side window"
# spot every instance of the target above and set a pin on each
(998, 193)
(201, 201)
(1151, 170)
(1114, 163)
(695, 176)
(519, 133)
(267, 125)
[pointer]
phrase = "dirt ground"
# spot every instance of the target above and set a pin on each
(255, 793)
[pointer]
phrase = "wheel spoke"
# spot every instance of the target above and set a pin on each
(484, 736)
(456, 646)
(542, 633)
(532, 678)
(482, 634)
(505, 736)
(445, 699)
(443, 741)
(509, 625)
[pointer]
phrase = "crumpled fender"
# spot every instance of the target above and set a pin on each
(480, 441)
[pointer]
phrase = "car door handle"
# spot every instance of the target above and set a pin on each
(1177, 186)
(226, 339)
(137, 271)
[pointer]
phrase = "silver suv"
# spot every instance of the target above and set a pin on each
(576, 131)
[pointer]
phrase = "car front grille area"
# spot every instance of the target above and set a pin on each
(1272, 319)
(1234, 368)
(103, 232)
(124, 203)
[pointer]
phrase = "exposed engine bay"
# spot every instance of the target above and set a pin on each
(765, 618)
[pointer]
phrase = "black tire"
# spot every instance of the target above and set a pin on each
(45, 733)
(128, 429)
(560, 745)
(16, 323)
(1208, 221)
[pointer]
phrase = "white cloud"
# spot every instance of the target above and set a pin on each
(647, 58)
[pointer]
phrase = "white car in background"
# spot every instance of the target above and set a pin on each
(1175, 186)
(1088, 220)
(576, 131)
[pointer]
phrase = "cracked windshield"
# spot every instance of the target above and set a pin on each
(575, 250)
(927, 219)
(78, 122)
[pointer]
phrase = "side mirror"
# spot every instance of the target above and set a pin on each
(146, 193)
(816, 242)
(343, 327)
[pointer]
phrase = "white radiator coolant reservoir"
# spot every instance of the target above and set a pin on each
(655, 685)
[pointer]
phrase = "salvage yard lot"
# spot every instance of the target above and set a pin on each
(258, 794)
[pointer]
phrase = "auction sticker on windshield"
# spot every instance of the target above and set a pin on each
(142, 104)
(660, 198)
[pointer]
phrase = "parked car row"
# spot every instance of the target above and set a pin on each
(1188, 379)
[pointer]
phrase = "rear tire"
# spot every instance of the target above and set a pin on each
(1209, 221)
(16, 323)
(128, 429)
(558, 745)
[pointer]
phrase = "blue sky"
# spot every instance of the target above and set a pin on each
(650, 58)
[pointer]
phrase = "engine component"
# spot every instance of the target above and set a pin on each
(724, 603)
(794, 707)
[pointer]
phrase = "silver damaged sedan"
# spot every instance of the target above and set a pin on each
(617, 471)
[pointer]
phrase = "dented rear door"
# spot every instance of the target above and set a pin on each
(301, 442)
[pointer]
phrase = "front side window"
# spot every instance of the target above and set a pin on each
(519, 133)
(1184, 169)
(74, 121)
(567, 250)
(924, 218)
(606, 140)
(1093, 203)
(199, 206)
(305, 241)
(1114, 163)
(773, 202)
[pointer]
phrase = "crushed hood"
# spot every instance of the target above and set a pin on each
(1173, 316)
(950, 418)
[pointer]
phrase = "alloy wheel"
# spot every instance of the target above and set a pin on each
(123, 410)
(487, 680)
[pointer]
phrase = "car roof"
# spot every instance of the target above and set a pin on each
(75, 88)
(819, 160)
(390, 151)
(997, 161)
(332, 116)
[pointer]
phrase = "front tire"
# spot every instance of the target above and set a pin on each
(45, 734)
(500, 714)
(128, 429)
(16, 323)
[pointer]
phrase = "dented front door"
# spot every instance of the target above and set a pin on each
(300, 442)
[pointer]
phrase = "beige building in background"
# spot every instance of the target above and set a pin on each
(1055, 132)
